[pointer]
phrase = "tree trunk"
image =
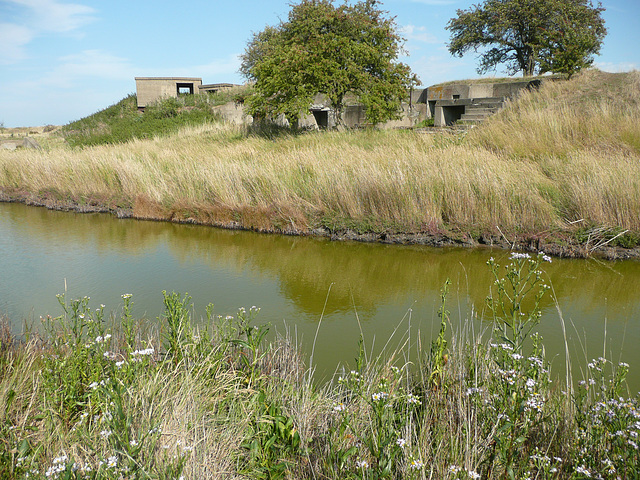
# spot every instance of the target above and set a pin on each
(530, 67)
(336, 111)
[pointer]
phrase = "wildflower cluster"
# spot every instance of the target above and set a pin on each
(544, 465)
(515, 397)
(608, 425)
(88, 390)
(487, 409)
(386, 450)
(58, 466)
(458, 472)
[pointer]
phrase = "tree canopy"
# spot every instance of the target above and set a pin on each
(531, 36)
(329, 49)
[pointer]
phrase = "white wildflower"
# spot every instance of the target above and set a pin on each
(584, 471)
(474, 391)
(379, 396)
(146, 351)
(411, 398)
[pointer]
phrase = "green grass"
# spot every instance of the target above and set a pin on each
(484, 80)
(93, 398)
(123, 122)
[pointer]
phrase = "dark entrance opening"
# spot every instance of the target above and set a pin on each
(185, 88)
(321, 117)
(452, 114)
(432, 107)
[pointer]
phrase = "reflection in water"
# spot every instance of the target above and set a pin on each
(294, 280)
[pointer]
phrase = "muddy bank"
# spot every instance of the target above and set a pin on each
(554, 245)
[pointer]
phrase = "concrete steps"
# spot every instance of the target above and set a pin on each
(481, 108)
(472, 117)
(466, 110)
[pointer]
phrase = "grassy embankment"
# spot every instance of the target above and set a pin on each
(561, 163)
(89, 400)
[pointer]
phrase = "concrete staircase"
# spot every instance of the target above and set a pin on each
(481, 108)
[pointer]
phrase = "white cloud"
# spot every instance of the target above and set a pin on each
(35, 18)
(56, 107)
(13, 39)
(53, 16)
(418, 34)
(76, 68)
(438, 68)
(220, 67)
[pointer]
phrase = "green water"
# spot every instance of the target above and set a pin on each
(302, 285)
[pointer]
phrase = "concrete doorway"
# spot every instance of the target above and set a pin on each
(322, 118)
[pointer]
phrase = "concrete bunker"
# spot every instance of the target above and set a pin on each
(152, 89)
(449, 114)
(470, 102)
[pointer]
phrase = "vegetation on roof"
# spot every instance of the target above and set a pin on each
(122, 121)
(488, 80)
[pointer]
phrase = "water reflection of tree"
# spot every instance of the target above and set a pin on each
(362, 275)
(372, 274)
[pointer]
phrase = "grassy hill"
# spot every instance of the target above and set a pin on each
(557, 167)
(122, 121)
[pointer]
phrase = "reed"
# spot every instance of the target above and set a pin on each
(564, 154)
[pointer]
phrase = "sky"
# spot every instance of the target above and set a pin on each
(63, 60)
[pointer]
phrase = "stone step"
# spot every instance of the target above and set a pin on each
(473, 116)
(481, 110)
(488, 100)
(487, 104)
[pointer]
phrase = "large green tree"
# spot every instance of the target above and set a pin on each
(530, 35)
(329, 49)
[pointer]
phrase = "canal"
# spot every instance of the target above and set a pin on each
(312, 288)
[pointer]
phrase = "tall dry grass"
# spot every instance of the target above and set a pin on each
(566, 152)
(594, 111)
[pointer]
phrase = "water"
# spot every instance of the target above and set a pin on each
(307, 286)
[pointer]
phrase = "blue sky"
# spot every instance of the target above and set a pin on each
(62, 60)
